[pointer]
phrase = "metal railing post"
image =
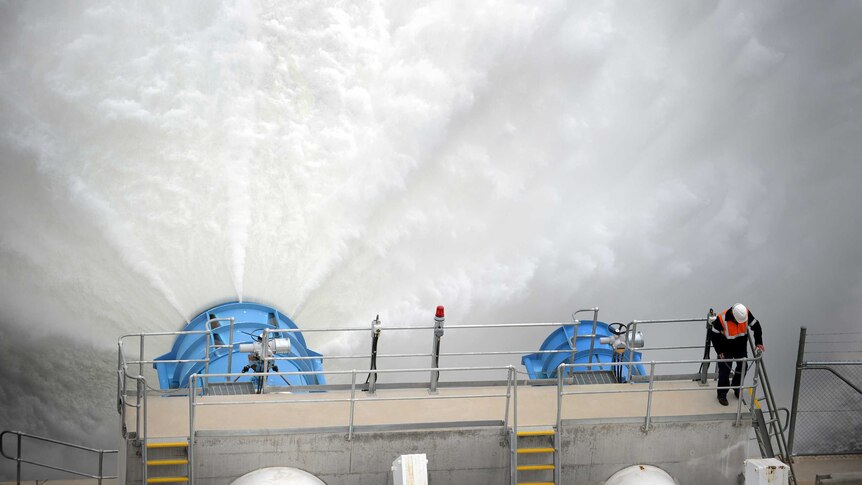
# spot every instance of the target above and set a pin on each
(509, 377)
(559, 426)
(741, 387)
(633, 328)
(101, 460)
(265, 351)
(352, 404)
(515, 429)
(230, 351)
(192, 392)
(18, 462)
(800, 357)
(207, 364)
(142, 433)
(141, 357)
(593, 336)
(649, 396)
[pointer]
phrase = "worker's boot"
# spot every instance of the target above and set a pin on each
(722, 400)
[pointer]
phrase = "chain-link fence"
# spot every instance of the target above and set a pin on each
(828, 407)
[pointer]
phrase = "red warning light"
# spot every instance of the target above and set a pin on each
(439, 313)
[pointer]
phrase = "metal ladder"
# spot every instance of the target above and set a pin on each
(766, 419)
(178, 456)
(535, 449)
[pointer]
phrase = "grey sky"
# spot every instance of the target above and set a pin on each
(514, 162)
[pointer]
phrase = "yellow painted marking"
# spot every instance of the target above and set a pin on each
(535, 483)
(544, 432)
(168, 480)
(536, 450)
(177, 461)
(756, 402)
(535, 467)
(170, 444)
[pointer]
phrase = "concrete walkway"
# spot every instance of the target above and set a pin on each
(537, 406)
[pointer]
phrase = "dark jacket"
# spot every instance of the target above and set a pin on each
(736, 346)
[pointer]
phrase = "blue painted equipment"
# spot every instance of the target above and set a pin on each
(250, 319)
(544, 365)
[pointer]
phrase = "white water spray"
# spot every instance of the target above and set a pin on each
(511, 160)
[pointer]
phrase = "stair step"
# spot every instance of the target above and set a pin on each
(542, 432)
(168, 480)
(535, 450)
(535, 467)
(169, 444)
(177, 461)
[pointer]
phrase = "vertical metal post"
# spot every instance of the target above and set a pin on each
(264, 349)
(559, 427)
(207, 363)
(191, 447)
(515, 428)
(18, 461)
(704, 367)
(593, 335)
(633, 328)
(508, 396)
(230, 351)
(138, 408)
(741, 387)
(352, 404)
(375, 335)
(141, 357)
(101, 460)
(143, 432)
(439, 320)
(800, 365)
(649, 396)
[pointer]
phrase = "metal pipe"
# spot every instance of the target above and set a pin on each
(593, 339)
(230, 351)
(207, 365)
(628, 391)
(800, 358)
(558, 429)
(837, 362)
(508, 396)
(101, 460)
(352, 404)
(18, 461)
(649, 397)
(741, 384)
(633, 327)
(192, 392)
(265, 350)
(515, 426)
(143, 384)
(141, 356)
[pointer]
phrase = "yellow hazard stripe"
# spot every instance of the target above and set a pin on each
(178, 461)
(168, 480)
(535, 450)
(170, 444)
(535, 467)
(544, 432)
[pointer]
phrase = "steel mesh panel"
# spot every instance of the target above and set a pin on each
(829, 415)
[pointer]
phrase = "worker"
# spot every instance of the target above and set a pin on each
(729, 337)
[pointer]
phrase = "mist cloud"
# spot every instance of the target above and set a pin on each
(513, 161)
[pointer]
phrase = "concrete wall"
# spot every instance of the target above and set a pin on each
(696, 452)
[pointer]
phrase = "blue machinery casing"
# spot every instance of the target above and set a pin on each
(250, 319)
(544, 365)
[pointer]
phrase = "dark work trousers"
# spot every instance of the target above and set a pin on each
(724, 369)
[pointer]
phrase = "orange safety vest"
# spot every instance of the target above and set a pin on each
(732, 329)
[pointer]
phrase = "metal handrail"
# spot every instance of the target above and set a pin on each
(510, 394)
(20, 460)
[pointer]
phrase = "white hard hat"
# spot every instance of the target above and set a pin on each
(740, 313)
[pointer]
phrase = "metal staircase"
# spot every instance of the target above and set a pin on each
(766, 420)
